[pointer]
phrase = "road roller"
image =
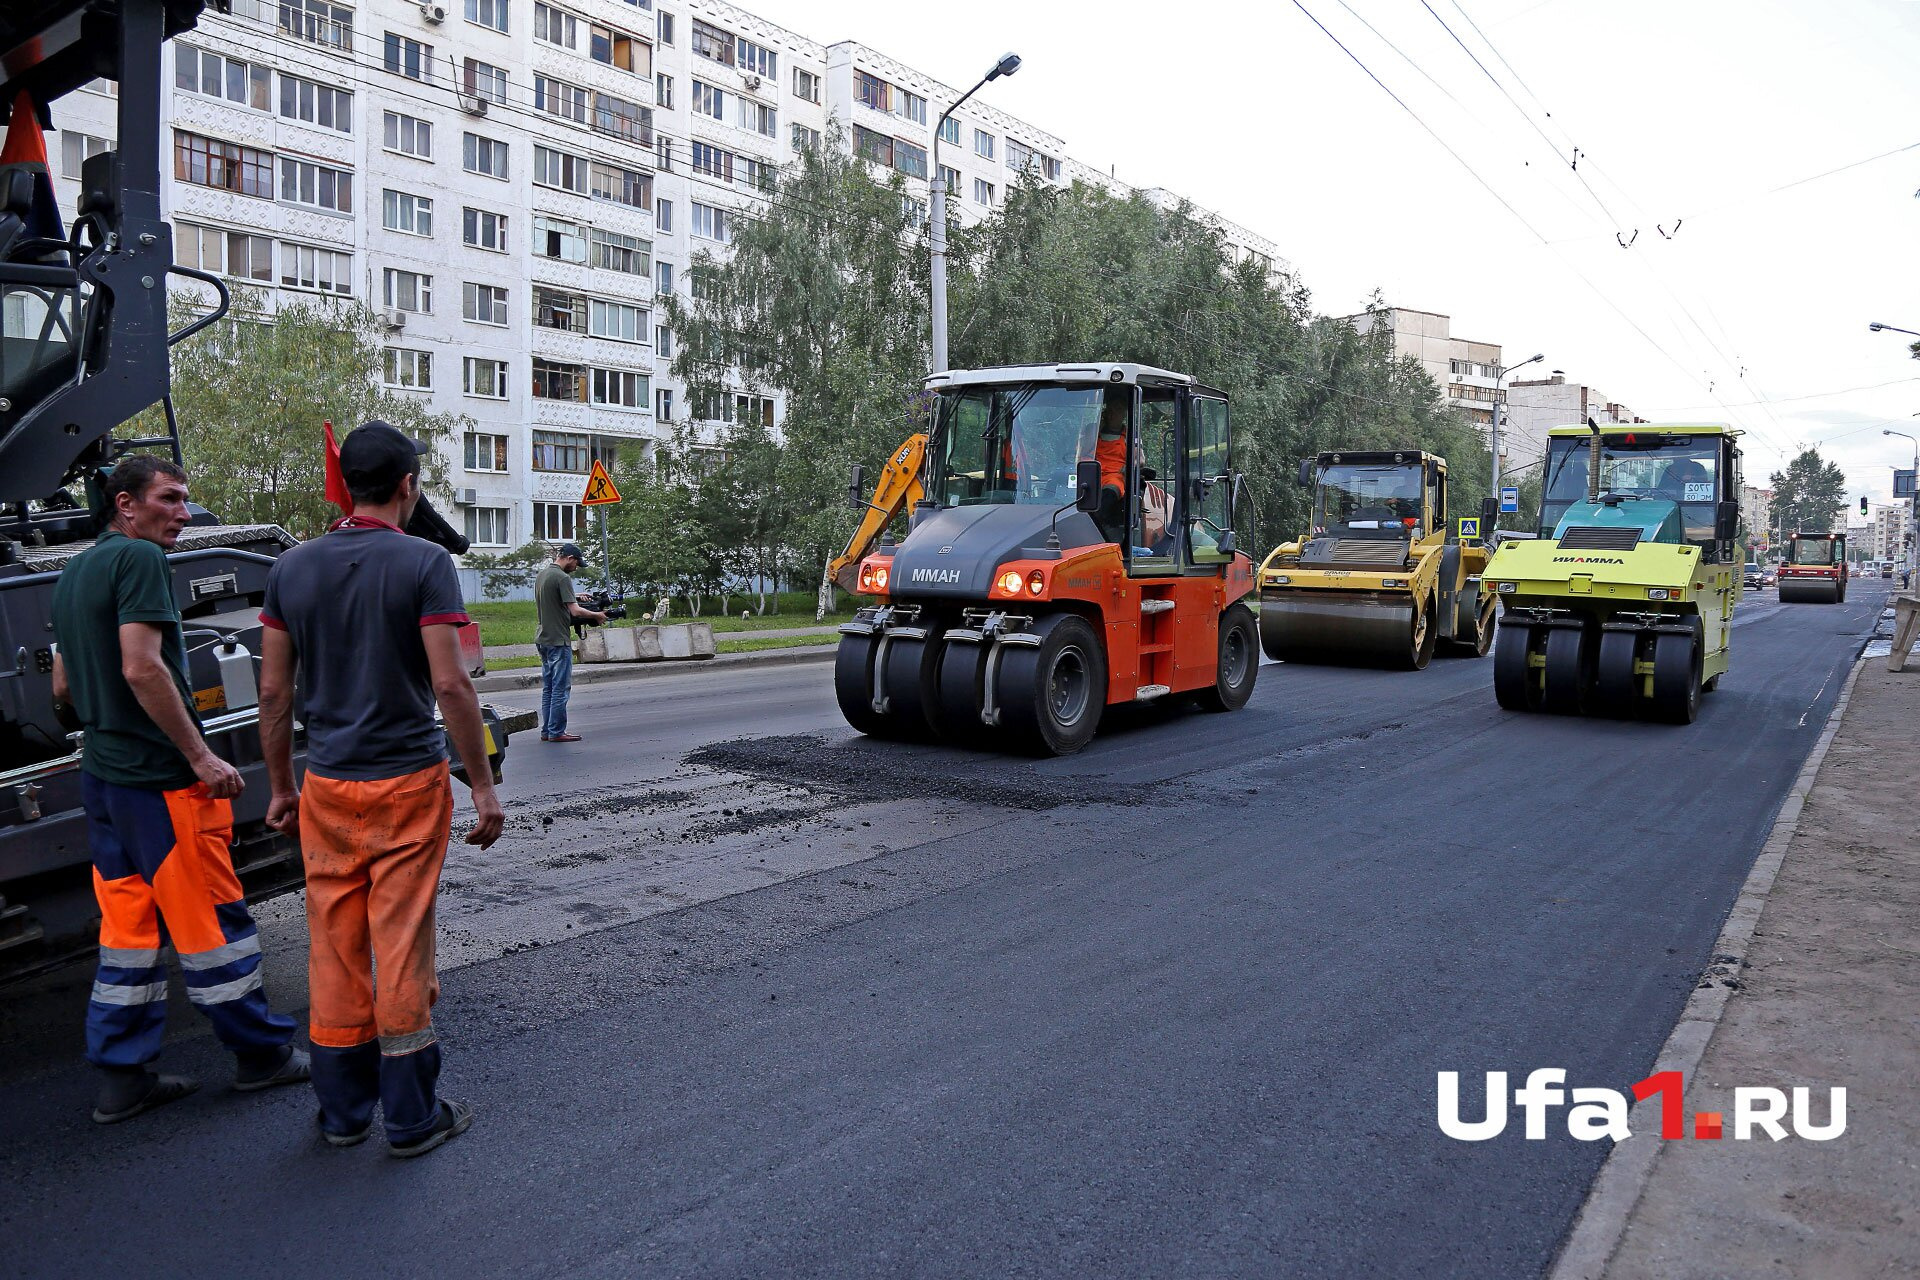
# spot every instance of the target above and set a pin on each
(1381, 578)
(1622, 603)
(1815, 570)
(1070, 548)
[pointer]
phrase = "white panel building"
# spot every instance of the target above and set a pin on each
(512, 184)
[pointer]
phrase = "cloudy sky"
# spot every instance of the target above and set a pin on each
(1723, 118)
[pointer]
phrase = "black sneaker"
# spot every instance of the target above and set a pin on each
(295, 1069)
(128, 1094)
(455, 1119)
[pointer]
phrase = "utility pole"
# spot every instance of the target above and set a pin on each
(1493, 437)
(937, 214)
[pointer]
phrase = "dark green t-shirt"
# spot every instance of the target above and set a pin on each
(552, 593)
(118, 580)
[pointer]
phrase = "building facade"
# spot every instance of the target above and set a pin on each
(1536, 406)
(1886, 532)
(1467, 371)
(513, 185)
(1756, 514)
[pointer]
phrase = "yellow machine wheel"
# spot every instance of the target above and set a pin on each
(1513, 684)
(1616, 687)
(1569, 671)
(1676, 677)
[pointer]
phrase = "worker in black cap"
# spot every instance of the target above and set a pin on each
(558, 605)
(367, 617)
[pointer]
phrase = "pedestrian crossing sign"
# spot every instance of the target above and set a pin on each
(1469, 527)
(600, 488)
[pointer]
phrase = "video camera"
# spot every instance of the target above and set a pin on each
(601, 602)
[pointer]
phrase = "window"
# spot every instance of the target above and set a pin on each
(483, 303)
(315, 185)
(618, 49)
(553, 238)
(950, 131)
(484, 230)
(230, 253)
(983, 143)
(619, 118)
(983, 192)
(485, 451)
(663, 216)
(699, 284)
(77, 148)
(616, 320)
(712, 161)
(663, 404)
(488, 13)
(712, 223)
(758, 117)
(754, 60)
(629, 255)
(663, 89)
(950, 177)
(620, 389)
(663, 341)
(558, 309)
(305, 267)
(805, 139)
(483, 379)
(318, 22)
(877, 147)
(409, 58)
(558, 169)
(666, 154)
(712, 43)
(405, 367)
(553, 380)
(485, 81)
(408, 135)
(224, 166)
(320, 104)
(909, 106)
(408, 214)
(558, 521)
(483, 156)
(555, 26)
(619, 185)
(198, 71)
(872, 91)
(407, 290)
(558, 98)
(663, 277)
(806, 85)
(487, 526)
(752, 409)
(910, 159)
(1019, 156)
(559, 450)
(666, 28)
(709, 101)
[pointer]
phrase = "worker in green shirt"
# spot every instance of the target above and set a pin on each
(558, 605)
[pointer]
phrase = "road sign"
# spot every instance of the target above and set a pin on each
(1903, 484)
(600, 488)
(1509, 498)
(1469, 527)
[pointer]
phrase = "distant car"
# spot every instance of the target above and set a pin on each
(1768, 576)
(1754, 579)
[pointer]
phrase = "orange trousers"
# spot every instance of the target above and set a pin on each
(373, 853)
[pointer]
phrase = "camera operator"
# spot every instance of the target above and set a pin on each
(558, 607)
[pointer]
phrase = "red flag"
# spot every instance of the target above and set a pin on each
(336, 482)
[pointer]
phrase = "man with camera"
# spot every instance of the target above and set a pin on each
(558, 606)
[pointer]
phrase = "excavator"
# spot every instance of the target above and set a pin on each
(84, 343)
(1069, 549)
(898, 490)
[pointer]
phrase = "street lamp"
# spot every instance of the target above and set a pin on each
(1913, 520)
(1876, 326)
(1494, 438)
(937, 212)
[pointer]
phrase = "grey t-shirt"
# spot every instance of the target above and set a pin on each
(552, 593)
(353, 602)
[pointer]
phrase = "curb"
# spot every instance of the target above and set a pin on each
(1616, 1191)
(529, 678)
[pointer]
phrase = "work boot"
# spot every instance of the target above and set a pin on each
(455, 1119)
(127, 1091)
(293, 1068)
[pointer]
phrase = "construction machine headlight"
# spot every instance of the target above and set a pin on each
(1279, 579)
(880, 577)
(866, 577)
(1393, 584)
(1659, 593)
(1036, 583)
(1011, 582)
(1506, 588)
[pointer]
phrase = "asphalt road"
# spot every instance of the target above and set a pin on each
(744, 995)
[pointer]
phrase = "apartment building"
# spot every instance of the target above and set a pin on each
(1885, 535)
(1756, 513)
(1536, 406)
(514, 185)
(1467, 371)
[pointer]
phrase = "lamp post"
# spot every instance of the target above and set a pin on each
(1913, 517)
(1494, 437)
(937, 213)
(1876, 327)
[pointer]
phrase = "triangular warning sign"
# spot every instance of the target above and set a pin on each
(600, 488)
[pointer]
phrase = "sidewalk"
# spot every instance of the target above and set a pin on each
(1830, 996)
(772, 633)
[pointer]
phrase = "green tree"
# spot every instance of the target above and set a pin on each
(251, 392)
(1808, 494)
(656, 544)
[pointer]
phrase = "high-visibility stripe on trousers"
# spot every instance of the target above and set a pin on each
(373, 852)
(163, 872)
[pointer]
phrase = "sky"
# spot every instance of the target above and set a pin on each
(1693, 266)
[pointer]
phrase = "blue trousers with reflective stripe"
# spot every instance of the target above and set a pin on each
(162, 872)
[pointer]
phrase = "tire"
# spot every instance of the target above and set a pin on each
(1513, 684)
(1616, 687)
(955, 713)
(1569, 671)
(1051, 697)
(1475, 644)
(912, 685)
(853, 684)
(1236, 665)
(1420, 638)
(1676, 677)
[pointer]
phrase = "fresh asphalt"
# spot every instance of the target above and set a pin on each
(1173, 1006)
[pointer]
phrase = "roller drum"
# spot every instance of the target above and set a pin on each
(1809, 591)
(1297, 626)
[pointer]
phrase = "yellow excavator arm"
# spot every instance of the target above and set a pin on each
(898, 489)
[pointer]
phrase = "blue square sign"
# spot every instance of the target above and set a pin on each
(1509, 498)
